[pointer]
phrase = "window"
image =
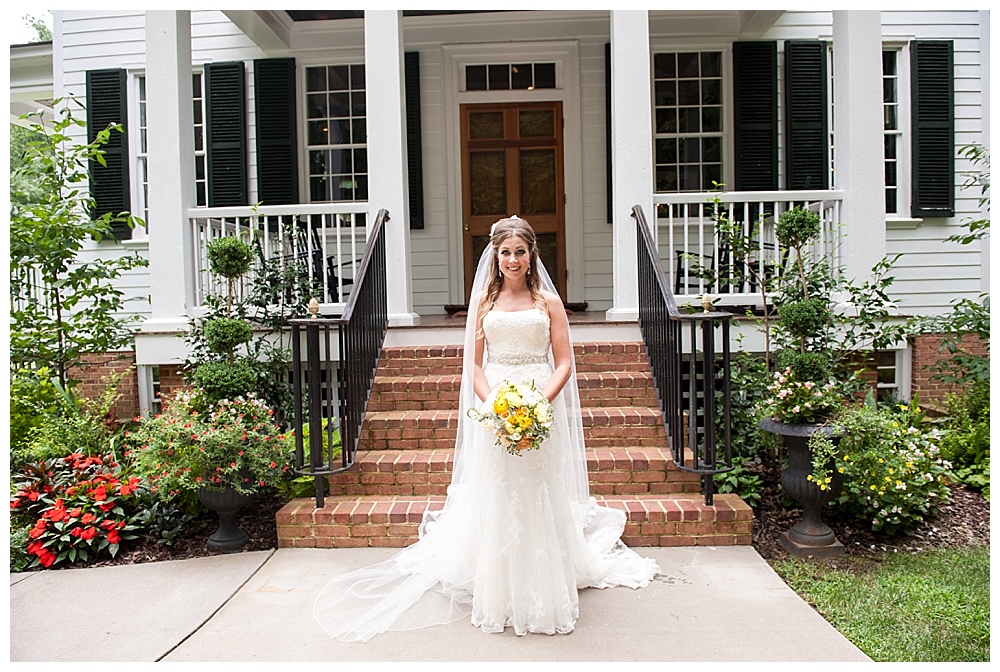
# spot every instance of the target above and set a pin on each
(892, 130)
(887, 375)
(688, 120)
(141, 151)
(336, 133)
(524, 76)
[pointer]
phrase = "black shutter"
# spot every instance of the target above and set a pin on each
(607, 130)
(277, 150)
(933, 100)
(807, 149)
(225, 133)
(755, 114)
(109, 184)
(414, 152)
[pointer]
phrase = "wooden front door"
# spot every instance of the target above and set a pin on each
(512, 164)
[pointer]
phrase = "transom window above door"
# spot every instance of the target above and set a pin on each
(504, 77)
(688, 118)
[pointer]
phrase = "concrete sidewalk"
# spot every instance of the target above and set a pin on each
(714, 604)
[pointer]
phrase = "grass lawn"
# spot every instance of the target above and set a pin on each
(930, 606)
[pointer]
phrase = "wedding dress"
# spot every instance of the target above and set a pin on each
(518, 535)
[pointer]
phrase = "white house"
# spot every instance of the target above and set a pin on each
(450, 120)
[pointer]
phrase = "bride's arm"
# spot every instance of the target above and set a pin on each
(479, 382)
(562, 353)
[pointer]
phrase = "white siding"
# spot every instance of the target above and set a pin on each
(930, 274)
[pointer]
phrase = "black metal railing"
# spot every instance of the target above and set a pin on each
(688, 379)
(338, 392)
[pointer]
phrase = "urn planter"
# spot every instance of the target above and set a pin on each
(226, 503)
(810, 536)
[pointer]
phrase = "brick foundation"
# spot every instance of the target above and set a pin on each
(926, 352)
(93, 373)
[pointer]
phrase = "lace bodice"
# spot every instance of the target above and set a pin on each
(517, 337)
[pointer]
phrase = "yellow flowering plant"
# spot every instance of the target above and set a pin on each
(519, 415)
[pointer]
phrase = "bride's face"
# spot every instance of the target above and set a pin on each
(514, 256)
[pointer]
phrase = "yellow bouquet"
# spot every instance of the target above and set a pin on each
(519, 415)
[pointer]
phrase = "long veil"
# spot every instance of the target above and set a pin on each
(432, 581)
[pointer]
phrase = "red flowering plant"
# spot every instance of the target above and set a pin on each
(83, 506)
(235, 445)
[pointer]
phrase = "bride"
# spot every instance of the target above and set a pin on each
(519, 535)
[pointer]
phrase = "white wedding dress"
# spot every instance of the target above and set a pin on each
(519, 534)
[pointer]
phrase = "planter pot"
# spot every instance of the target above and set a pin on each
(810, 536)
(226, 504)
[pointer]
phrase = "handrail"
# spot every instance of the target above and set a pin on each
(361, 331)
(661, 324)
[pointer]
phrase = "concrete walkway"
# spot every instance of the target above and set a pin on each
(714, 604)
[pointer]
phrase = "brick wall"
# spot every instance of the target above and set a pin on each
(926, 351)
(94, 373)
(171, 380)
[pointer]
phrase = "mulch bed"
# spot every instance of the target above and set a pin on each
(962, 521)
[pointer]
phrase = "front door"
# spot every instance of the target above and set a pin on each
(512, 164)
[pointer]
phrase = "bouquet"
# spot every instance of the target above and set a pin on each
(519, 415)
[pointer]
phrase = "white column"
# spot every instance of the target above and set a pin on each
(631, 151)
(170, 162)
(858, 138)
(388, 185)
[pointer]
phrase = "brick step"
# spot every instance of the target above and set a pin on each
(443, 360)
(604, 427)
(614, 471)
(392, 521)
(440, 392)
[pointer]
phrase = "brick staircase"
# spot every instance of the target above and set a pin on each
(404, 460)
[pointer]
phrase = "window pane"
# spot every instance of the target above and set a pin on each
(475, 78)
(690, 120)
(712, 174)
(361, 191)
(890, 146)
(340, 131)
(520, 76)
(666, 93)
(317, 162)
(340, 104)
(886, 376)
(545, 75)
(689, 92)
(536, 124)
(361, 160)
(199, 139)
(316, 106)
(357, 77)
(891, 123)
(538, 181)
(890, 201)
(665, 66)
(889, 89)
(488, 183)
(666, 178)
(687, 65)
(359, 131)
(890, 174)
(690, 178)
(338, 78)
(318, 132)
(499, 77)
(690, 150)
(315, 79)
(358, 105)
(666, 150)
(885, 358)
(339, 160)
(317, 189)
(666, 121)
(711, 92)
(485, 125)
(712, 149)
(711, 64)
(888, 62)
(711, 119)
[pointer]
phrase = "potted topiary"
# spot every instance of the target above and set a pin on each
(223, 457)
(804, 394)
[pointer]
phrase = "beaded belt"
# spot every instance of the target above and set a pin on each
(517, 360)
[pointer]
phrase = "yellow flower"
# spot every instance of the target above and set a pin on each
(880, 460)
(500, 406)
(873, 487)
(809, 477)
(841, 470)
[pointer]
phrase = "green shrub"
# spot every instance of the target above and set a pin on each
(20, 526)
(34, 398)
(229, 257)
(965, 440)
(813, 366)
(742, 480)
(894, 475)
(796, 227)
(225, 334)
(804, 318)
(222, 380)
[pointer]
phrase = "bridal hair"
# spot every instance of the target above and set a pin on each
(501, 231)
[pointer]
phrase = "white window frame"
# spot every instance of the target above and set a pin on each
(663, 45)
(902, 216)
(305, 187)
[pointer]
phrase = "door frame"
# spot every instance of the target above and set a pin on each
(566, 55)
